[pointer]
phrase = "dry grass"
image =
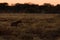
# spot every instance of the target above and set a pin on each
(31, 27)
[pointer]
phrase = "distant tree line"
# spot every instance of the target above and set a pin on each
(27, 8)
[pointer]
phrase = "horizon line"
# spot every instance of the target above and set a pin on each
(30, 3)
(11, 4)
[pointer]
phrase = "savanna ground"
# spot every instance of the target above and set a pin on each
(30, 27)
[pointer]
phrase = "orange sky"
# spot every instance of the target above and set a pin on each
(32, 1)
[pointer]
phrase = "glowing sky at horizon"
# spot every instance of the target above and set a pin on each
(31, 1)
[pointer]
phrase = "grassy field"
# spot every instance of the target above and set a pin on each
(29, 26)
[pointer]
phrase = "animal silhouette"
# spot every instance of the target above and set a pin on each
(16, 23)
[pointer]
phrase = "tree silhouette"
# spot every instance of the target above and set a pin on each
(29, 8)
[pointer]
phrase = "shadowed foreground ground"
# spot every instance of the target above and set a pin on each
(29, 26)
